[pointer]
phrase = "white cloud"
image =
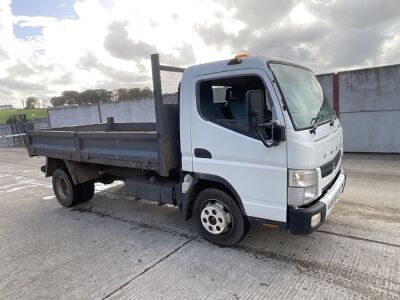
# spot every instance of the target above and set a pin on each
(26, 21)
(109, 47)
(301, 15)
(115, 41)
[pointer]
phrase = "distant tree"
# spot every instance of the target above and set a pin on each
(88, 97)
(44, 102)
(99, 96)
(140, 93)
(109, 96)
(71, 97)
(31, 102)
(147, 93)
(57, 101)
(134, 93)
(95, 96)
(123, 94)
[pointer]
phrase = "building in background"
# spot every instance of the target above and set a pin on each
(6, 107)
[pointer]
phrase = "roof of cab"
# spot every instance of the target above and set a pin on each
(251, 62)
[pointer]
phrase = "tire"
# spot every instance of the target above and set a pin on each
(66, 192)
(214, 207)
(86, 191)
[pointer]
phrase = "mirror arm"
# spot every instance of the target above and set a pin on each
(263, 140)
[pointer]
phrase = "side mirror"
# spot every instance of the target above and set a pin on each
(257, 116)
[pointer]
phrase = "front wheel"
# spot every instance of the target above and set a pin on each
(219, 218)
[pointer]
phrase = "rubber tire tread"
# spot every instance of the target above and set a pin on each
(73, 190)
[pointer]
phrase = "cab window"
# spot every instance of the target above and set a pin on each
(223, 100)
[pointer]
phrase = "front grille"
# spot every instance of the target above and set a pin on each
(329, 185)
(329, 167)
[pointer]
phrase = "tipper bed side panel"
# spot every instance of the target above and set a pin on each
(134, 149)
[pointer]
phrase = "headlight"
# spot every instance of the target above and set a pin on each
(303, 186)
(302, 178)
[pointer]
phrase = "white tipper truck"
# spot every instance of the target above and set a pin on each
(238, 141)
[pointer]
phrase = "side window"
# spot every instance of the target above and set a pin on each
(223, 101)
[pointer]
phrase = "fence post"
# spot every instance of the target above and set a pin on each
(48, 117)
(335, 96)
(100, 117)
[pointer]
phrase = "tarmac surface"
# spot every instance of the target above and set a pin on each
(116, 246)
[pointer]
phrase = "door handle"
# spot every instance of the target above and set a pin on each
(202, 153)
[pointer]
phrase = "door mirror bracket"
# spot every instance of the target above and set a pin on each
(278, 133)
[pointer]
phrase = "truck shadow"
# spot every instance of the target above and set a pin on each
(115, 204)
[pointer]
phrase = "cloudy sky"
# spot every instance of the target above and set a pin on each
(47, 46)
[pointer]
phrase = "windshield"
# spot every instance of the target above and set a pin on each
(306, 102)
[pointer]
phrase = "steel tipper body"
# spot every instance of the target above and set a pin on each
(235, 141)
(114, 144)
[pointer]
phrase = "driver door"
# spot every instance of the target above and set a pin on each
(257, 173)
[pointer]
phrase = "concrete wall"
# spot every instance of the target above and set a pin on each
(376, 89)
(369, 108)
(138, 110)
(40, 123)
(326, 83)
(75, 115)
(371, 131)
(369, 103)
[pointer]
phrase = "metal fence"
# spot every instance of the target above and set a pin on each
(13, 133)
(18, 125)
(5, 135)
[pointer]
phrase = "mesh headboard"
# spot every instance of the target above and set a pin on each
(166, 80)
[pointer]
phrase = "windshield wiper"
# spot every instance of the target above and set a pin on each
(316, 120)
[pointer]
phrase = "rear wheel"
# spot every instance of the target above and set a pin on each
(86, 191)
(66, 192)
(219, 218)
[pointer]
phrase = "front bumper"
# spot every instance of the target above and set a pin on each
(300, 219)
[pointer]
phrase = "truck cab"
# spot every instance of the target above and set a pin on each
(262, 127)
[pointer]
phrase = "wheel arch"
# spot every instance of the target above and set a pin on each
(204, 181)
(52, 164)
(78, 172)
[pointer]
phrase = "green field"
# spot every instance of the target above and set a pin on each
(30, 113)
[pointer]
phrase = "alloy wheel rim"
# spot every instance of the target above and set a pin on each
(216, 217)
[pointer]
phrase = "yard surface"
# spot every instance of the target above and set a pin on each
(30, 113)
(116, 246)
